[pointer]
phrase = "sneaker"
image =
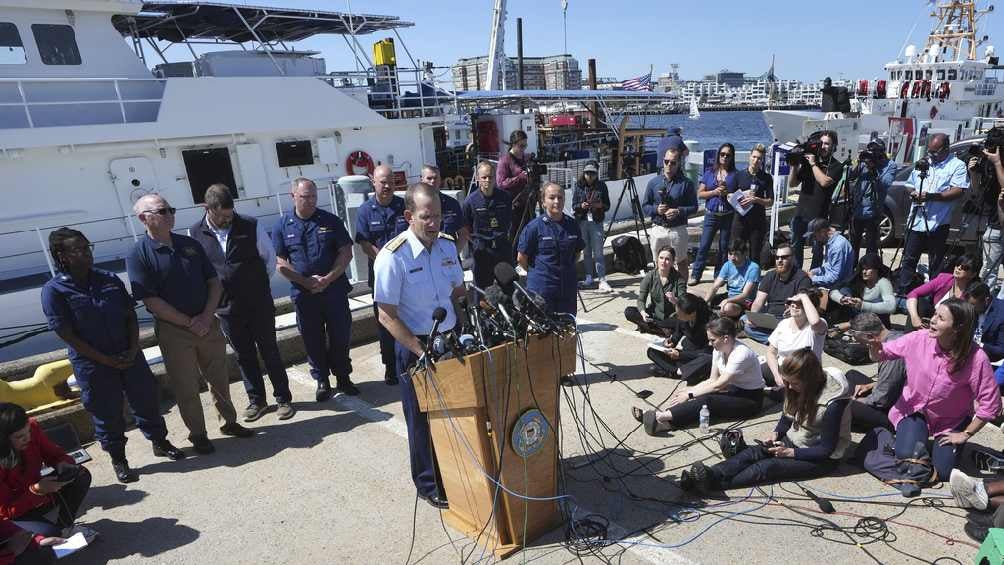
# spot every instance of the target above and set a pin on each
(605, 286)
(588, 282)
(285, 410)
(234, 429)
(254, 412)
(968, 492)
(345, 386)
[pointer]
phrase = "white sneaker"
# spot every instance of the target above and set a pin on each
(605, 286)
(968, 491)
(520, 271)
(586, 283)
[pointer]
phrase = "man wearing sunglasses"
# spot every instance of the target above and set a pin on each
(777, 286)
(177, 283)
(932, 207)
(670, 199)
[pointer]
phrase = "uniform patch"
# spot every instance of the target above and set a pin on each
(189, 251)
(445, 235)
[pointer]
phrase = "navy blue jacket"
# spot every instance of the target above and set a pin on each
(993, 330)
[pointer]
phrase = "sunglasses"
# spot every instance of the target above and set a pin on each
(162, 211)
(782, 257)
(668, 162)
(726, 154)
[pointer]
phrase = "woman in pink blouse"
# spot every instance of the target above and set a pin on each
(946, 375)
(920, 302)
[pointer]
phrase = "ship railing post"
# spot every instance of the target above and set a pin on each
(118, 96)
(24, 100)
(132, 228)
(45, 251)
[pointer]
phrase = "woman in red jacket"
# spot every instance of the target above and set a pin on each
(44, 505)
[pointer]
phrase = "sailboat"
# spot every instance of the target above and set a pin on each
(694, 112)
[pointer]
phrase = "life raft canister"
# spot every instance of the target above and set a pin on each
(359, 161)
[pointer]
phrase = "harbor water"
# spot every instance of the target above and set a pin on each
(742, 129)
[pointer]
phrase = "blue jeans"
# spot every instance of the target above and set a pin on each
(798, 226)
(913, 428)
(592, 237)
(714, 223)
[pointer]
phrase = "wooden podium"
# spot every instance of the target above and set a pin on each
(474, 406)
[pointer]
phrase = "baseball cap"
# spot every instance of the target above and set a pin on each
(816, 225)
(591, 167)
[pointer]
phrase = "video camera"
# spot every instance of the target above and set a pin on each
(993, 140)
(812, 146)
(533, 168)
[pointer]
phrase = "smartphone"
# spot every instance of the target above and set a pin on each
(67, 474)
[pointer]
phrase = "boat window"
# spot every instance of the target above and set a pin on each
(11, 48)
(57, 44)
(941, 74)
(909, 75)
(294, 153)
(951, 74)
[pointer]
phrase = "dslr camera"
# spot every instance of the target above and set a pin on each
(812, 146)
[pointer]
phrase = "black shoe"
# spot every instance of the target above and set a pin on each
(323, 391)
(977, 533)
(163, 448)
(202, 445)
(977, 518)
(234, 429)
(687, 482)
(436, 501)
(390, 377)
(701, 476)
(345, 386)
(122, 471)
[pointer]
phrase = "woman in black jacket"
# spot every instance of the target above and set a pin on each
(685, 354)
(590, 202)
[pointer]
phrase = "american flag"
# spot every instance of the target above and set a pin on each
(643, 82)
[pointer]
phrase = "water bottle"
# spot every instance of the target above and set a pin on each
(705, 420)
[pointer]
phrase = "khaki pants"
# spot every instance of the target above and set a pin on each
(675, 237)
(186, 358)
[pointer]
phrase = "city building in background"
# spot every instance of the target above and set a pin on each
(557, 72)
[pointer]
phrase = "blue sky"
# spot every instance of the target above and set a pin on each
(850, 38)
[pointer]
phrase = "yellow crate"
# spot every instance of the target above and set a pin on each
(383, 52)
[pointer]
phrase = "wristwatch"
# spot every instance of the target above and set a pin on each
(690, 395)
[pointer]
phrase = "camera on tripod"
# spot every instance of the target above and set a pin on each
(812, 146)
(533, 168)
(922, 166)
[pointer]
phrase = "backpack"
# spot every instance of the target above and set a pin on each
(877, 454)
(847, 349)
(629, 254)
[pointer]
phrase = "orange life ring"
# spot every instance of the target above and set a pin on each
(359, 160)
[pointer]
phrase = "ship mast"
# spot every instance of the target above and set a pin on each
(954, 36)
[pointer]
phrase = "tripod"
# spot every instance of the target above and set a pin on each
(922, 208)
(637, 213)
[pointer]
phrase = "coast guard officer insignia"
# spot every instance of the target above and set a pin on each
(529, 433)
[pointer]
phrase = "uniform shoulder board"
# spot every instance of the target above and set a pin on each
(446, 236)
(396, 243)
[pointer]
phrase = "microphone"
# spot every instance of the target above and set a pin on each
(496, 299)
(506, 276)
(438, 315)
(825, 505)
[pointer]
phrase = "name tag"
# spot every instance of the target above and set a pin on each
(546, 238)
(415, 270)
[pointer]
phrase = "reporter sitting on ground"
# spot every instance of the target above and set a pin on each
(872, 400)
(946, 375)
(733, 392)
(989, 331)
(740, 276)
(920, 302)
(21, 547)
(809, 440)
(687, 355)
(838, 257)
(869, 291)
(776, 287)
(658, 293)
(803, 328)
(42, 505)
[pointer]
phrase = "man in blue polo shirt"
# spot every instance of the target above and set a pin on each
(173, 277)
(945, 183)
(379, 220)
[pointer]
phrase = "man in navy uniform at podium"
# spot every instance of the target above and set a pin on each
(415, 273)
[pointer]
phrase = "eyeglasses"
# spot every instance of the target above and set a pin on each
(162, 211)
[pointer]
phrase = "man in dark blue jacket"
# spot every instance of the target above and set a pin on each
(990, 324)
(669, 200)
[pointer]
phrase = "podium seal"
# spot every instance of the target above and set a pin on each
(529, 433)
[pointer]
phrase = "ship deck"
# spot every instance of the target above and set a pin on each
(332, 484)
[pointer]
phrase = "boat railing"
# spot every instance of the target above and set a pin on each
(111, 242)
(48, 102)
(394, 92)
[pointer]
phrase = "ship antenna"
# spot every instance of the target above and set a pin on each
(910, 34)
